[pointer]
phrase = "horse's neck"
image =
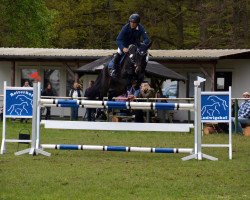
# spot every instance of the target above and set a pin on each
(126, 64)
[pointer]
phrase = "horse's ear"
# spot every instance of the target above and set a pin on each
(149, 45)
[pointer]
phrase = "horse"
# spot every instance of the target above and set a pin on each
(132, 69)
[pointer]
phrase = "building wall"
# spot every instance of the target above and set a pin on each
(240, 78)
(240, 69)
(240, 75)
(5, 74)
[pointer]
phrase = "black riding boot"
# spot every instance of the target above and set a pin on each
(114, 71)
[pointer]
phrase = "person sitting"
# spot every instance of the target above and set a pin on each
(243, 113)
(145, 92)
(131, 33)
(133, 91)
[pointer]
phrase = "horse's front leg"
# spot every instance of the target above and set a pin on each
(111, 94)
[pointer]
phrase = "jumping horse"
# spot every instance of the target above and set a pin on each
(132, 69)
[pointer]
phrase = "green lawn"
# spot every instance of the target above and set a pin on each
(120, 175)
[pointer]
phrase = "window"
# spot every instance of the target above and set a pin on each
(220, 83)
(26, 75)
(52, 76)
(223, 80)
(170, 89)
(191, 78)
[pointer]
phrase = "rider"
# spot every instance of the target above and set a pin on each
(131, 33)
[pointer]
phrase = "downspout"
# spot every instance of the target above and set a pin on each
(213, 76)
(13, 73)
(75, 75)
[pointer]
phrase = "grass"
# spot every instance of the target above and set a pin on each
(119, 175)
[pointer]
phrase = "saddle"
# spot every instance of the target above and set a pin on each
(111, 62)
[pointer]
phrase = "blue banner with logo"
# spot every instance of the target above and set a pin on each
(215, 107)
(18, 103)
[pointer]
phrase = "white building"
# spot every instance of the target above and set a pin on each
(221, 68)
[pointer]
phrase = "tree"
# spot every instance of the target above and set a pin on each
(25, 23)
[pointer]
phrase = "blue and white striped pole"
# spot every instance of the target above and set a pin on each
(117, 104)
(116, 148)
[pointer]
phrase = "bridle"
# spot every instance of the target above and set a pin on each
(133, 58)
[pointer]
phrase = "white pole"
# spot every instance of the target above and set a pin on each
(34, 119)
(38, 116)
(198, 120)
(3, 147)
(230, 149)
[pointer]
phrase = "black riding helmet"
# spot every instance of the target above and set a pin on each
(135, 18)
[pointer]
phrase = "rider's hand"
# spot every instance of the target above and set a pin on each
(125, 50)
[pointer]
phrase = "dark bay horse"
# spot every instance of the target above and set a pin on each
(132, 69)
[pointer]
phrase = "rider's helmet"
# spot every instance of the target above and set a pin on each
(135, 18)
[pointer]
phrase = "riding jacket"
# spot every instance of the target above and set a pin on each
(129, 36)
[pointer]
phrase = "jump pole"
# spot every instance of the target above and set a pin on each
(116, 148)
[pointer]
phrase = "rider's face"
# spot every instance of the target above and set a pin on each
(133, 24)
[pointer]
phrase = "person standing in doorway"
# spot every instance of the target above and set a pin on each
(48, 91)
(74, 93)
(90, 111)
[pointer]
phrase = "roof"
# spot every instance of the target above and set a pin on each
(88, 54)
(153, 68)
(158, 70)
(56, 54)
(199, 54)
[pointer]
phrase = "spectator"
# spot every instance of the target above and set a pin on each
(90, 111)
(26, 84)
(146, 91)
(75, 92)
(134, 91)
(243, 113)
(48, 91)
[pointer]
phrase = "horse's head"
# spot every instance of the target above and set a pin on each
(139, 57)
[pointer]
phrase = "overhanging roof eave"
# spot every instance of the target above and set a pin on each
(182, 59)
(47, 58)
